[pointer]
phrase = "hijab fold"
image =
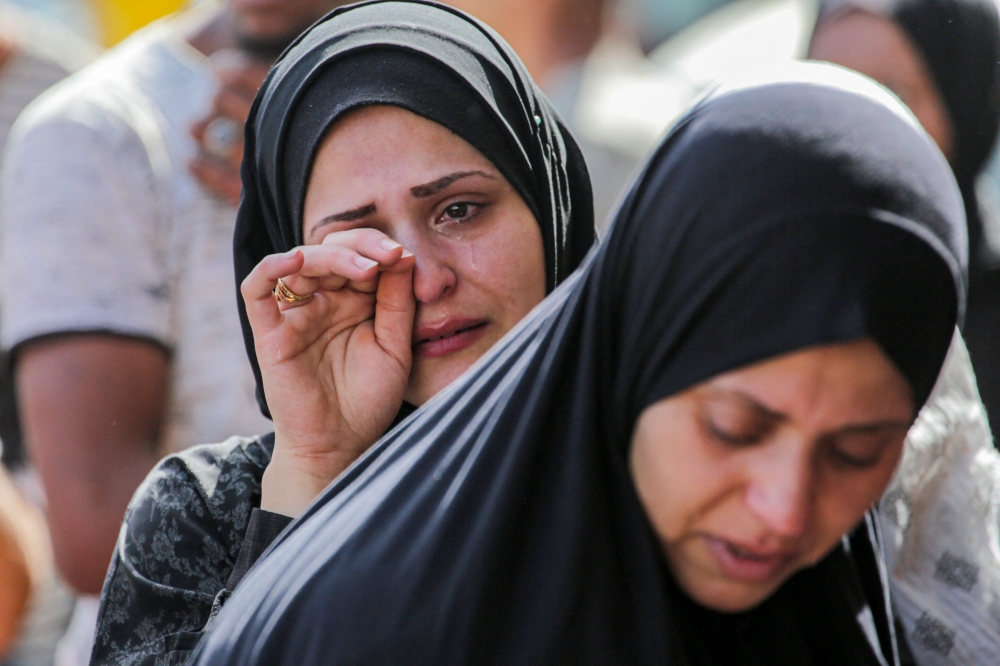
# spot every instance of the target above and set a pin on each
(432, 61)
(498, 524)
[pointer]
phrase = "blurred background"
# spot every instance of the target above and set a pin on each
(109, 21)
(651, 59)
(105, 22)
(619, 71)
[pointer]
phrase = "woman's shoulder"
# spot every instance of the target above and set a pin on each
(181, 539)
(211, 488)
(208, 469)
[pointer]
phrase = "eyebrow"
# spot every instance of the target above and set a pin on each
(432, 188)
(778, 417)
(750, 402)
(346, 216)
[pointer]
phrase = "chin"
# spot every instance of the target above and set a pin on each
(430, 377)
(728, 596)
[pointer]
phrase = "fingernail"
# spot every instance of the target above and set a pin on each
(291, 253)
(406, 254)
(364, 263)
(388, 244)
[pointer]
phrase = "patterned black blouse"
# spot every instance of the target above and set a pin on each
(191, 531)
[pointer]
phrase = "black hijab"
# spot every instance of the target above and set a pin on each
(437, 63)
(959, 41)
(499, 523)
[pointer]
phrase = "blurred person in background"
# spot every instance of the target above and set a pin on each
(32, 603)
(619, 98)
(116, 214)
(34, 55)
(15, 563)
(556, 40)
(546, 34)
(941, 58)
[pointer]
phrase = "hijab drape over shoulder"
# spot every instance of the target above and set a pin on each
(499, 524)
(437, 63)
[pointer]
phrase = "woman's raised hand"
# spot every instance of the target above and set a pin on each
(335, 366)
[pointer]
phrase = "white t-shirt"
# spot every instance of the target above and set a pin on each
(43, 56)
(102, 228)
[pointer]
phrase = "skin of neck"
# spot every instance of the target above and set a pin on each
(546, 34)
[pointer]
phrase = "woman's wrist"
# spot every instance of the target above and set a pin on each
(291, 482)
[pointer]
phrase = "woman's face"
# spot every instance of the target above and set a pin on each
(758, 473)
(878, 48)
(480, 265)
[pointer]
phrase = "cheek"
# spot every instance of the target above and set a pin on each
(844, 497)
(676, 475)
(507, 266)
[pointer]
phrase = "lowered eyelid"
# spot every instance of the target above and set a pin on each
(735, 423)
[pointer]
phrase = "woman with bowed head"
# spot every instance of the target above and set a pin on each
(672, 460)
(409, 196)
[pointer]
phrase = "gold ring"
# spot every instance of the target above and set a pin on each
(286, 295)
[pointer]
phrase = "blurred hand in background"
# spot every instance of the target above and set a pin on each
(219, 134)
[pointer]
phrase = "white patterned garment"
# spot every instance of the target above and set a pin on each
(939, 522)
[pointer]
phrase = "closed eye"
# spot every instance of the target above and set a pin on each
(862, 447)
(735, 420)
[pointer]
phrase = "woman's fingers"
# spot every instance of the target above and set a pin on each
(395, 306)
(356, 257)
(257, 288)
(331, 283)
(330, 268)
(351, 259)
(369, 243)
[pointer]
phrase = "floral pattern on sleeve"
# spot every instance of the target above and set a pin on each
(180, 541)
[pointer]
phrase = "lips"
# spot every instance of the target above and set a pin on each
(747, 564)
(447, 337)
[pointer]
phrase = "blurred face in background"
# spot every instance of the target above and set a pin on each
(266, 27)
(878, 48)
(757, 473)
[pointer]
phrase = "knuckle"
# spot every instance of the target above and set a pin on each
(252, 284)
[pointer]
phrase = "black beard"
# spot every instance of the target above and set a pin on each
(266, 49)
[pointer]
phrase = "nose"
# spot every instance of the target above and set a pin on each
(434, 275)
(782, 489)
